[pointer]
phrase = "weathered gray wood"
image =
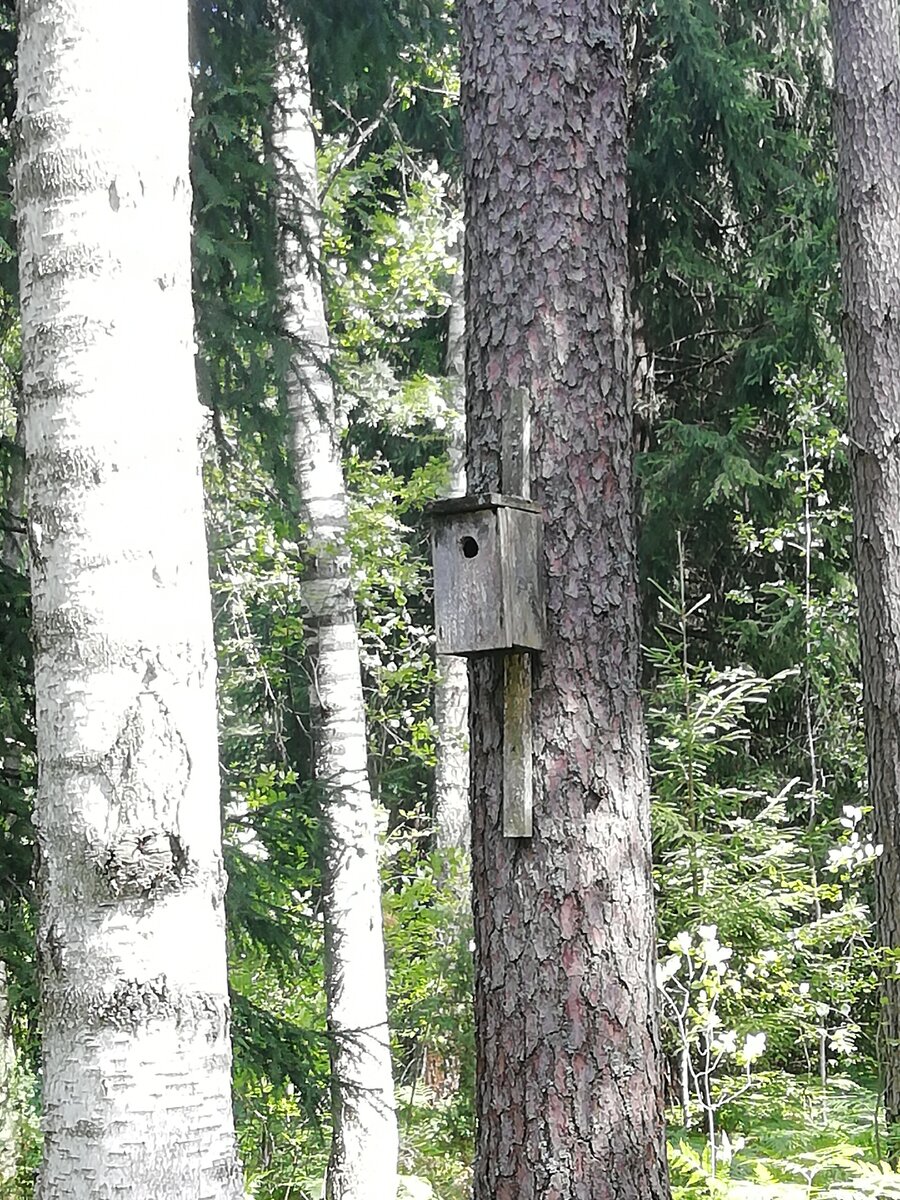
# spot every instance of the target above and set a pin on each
(488, 589)
(515, 446)
(524, 600)
(468, 587)
(522, 574)
(458, 504)
(517, 765)
(488, 557)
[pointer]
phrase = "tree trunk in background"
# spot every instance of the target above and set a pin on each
(9, 1099)
(451, 693)
(452, 827)
(363, 1162)
(12, 553)
(866, 36)
(568, 1096)
(131, 941)
(12, 558)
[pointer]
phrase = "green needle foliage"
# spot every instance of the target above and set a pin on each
(733, 257)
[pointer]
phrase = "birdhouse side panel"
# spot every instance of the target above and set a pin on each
(522, 543)
(468, 583)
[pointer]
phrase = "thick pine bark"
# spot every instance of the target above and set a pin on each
(451, 693)
(866, 35)
(363, 1163)
(131, 943)
(568, 1093)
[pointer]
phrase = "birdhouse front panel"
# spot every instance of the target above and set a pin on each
(468, 583)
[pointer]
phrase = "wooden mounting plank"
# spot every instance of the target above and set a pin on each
(515, 446)
(518, 782)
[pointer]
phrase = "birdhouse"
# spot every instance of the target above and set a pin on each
(487, 553)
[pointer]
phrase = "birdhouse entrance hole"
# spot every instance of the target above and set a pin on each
(469, 547)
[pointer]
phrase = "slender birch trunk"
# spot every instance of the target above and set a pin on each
(452, 826)
(451, 693)
(866, 36)
(12, 553)
(9, 1099)
(131, 941)
(12, 558)
(363, 1162)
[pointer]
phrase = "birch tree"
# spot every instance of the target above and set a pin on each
(866, 36)
(451, 693)
(12, 561)
(9, 1101)
(568, 1097)
(131, 943)
(363, 1163)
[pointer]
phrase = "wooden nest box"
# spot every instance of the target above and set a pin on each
(487, 553)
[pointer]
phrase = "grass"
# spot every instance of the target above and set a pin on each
(789, 1140)
(784, 1140)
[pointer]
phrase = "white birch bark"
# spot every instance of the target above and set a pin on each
(451, 693)
(9, 1097)
(363, 1163)
(12, 553)
(12, 558)
(136, 1076)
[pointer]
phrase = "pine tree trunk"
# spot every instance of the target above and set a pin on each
(451, 693)
(363, 1162)
(866, 35)
(568, 1091)
(131, 941)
